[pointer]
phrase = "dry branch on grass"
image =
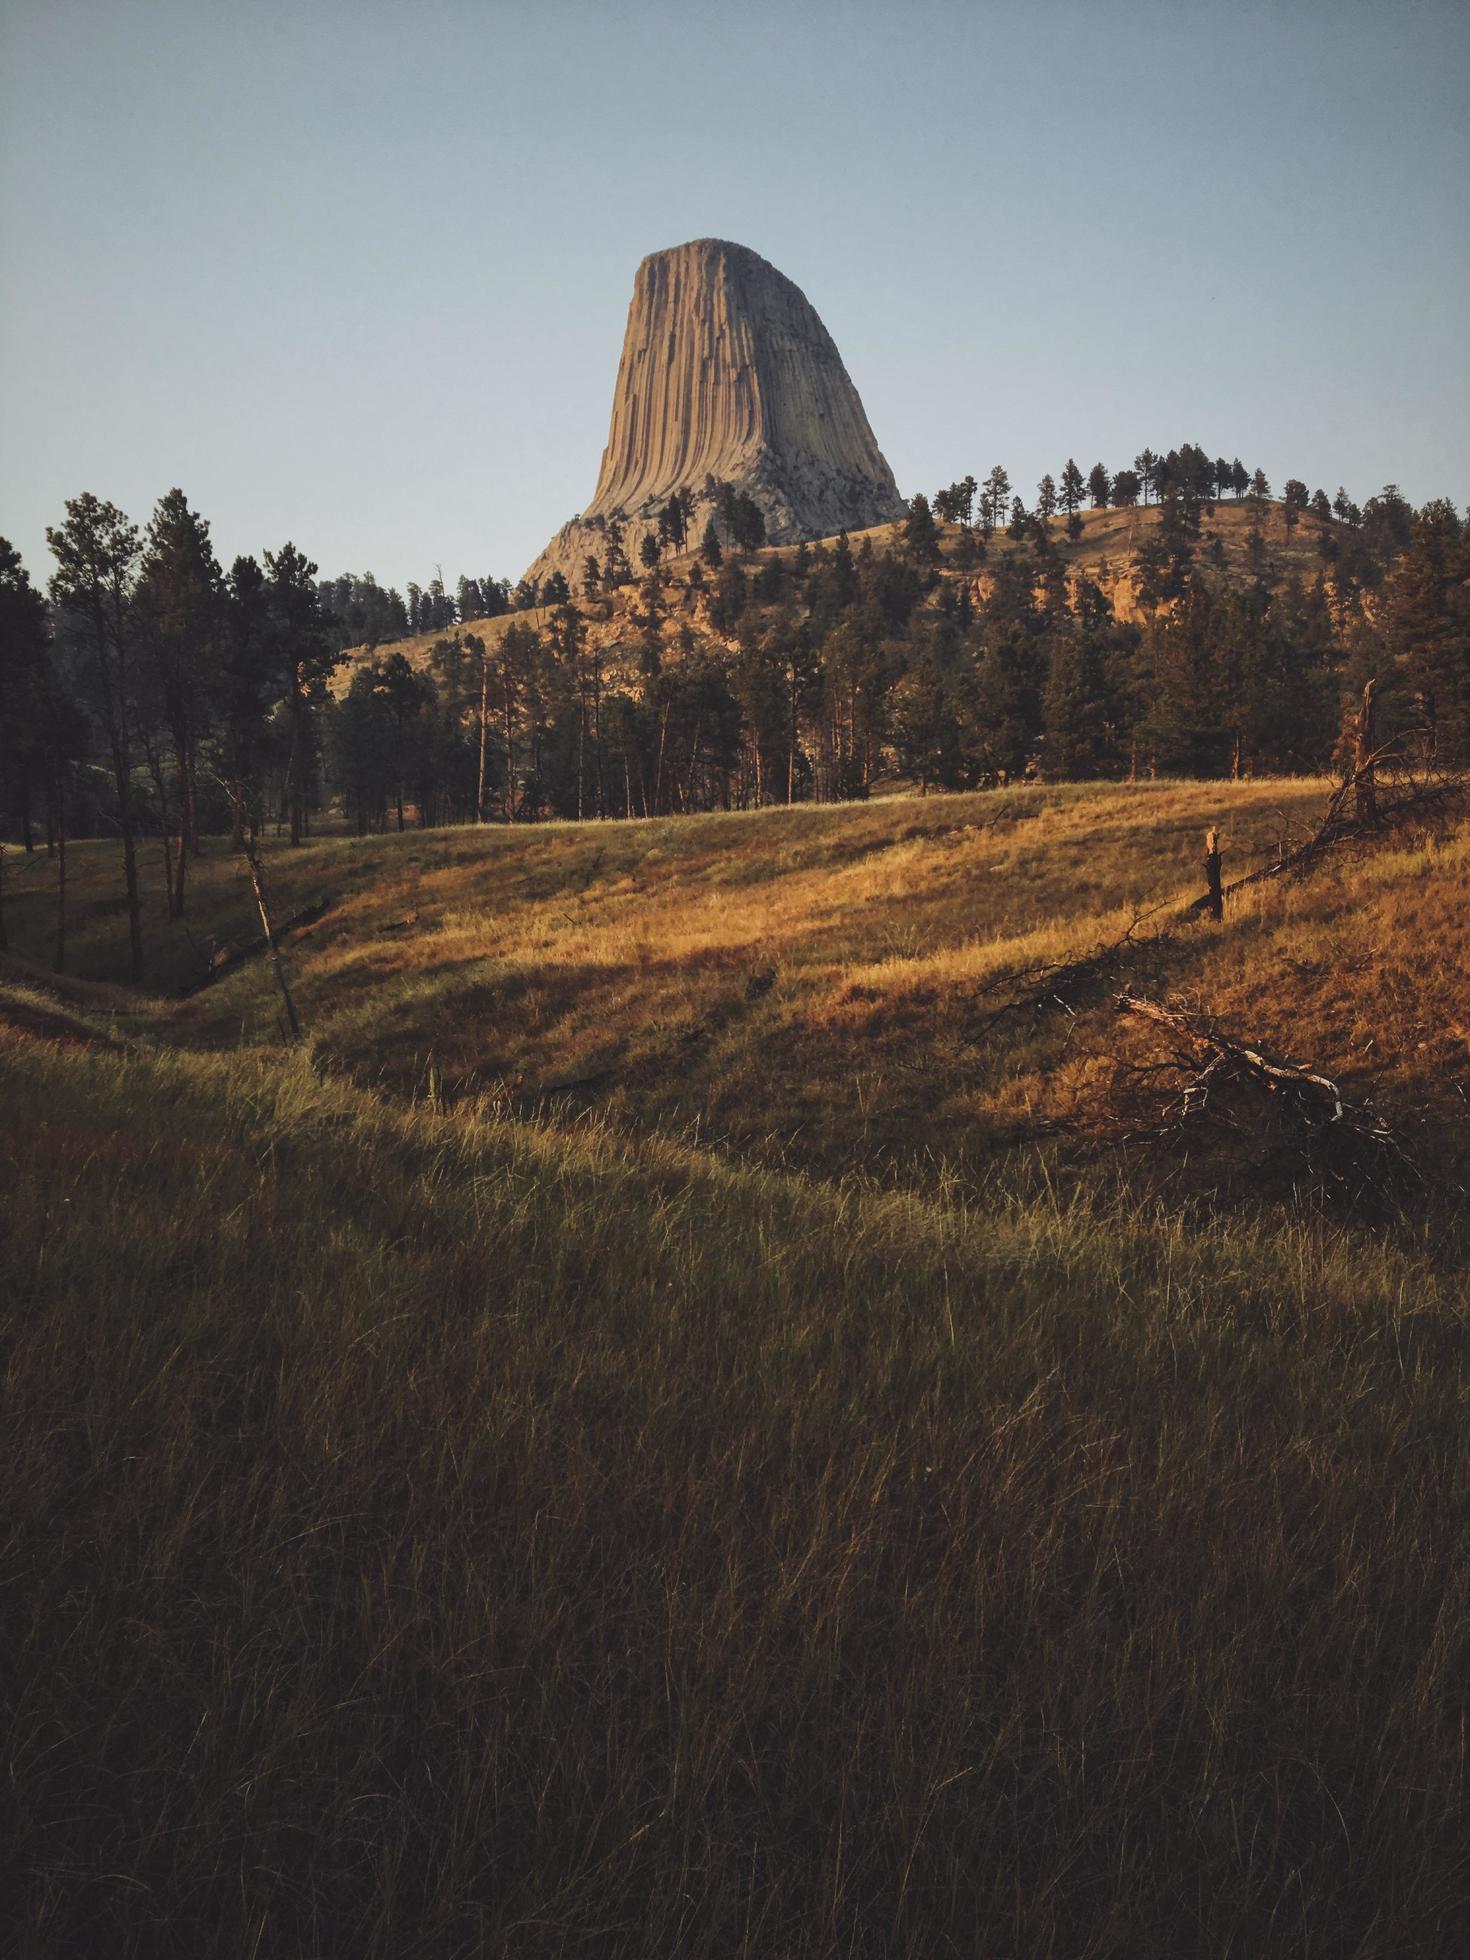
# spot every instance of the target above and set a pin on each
(1257, 1107)
(1318, 1100)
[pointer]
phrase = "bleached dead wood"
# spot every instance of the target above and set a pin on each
(1318, 1101)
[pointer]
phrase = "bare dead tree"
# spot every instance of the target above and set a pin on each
(250, 850)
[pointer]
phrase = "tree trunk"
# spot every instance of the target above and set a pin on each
(58, 801)
(188, 827)
(296, 766)
(130, 867)
(581, 746)
(262, 904)
(658, 774)
(484, 713)
(191, 772)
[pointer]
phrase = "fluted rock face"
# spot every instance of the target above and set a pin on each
(728, 376)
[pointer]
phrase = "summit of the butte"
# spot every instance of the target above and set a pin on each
(728, 377)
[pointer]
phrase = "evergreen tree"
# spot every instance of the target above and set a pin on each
(747, 523)
(993, 499)
(249, 686)
(1184, 729)
(178, 612)
(728, 605)
(1099, 486)
(1076, 711)
(1046, 498)
(1428, 628)
(1070, 494)
(709, 547)
(24, 638)
(920, 537)
(306, 660)
(360, 748)
(96, 552)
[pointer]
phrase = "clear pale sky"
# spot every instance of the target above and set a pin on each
(356, 274)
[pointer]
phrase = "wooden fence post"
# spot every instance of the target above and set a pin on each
(1216, 898)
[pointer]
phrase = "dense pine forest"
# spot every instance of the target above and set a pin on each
(151, 695)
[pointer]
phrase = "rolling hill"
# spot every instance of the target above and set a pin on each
(717, 1404)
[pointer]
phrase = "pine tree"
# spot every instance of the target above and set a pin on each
(920, 536)
(178, 611)
(23, 659)
(1075, 707)
(1428, 615)
(96, 552)
(1070, 495)
(1099, 486)
(993, 499)
(1046, 498)
(306, 660)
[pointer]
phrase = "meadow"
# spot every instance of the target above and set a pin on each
(699, 1412)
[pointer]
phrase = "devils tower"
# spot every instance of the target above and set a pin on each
(728, 375)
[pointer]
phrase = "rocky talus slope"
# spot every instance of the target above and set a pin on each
(728, 375)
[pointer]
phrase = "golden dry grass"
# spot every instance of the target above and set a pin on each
(814, 986)
(502, 1504)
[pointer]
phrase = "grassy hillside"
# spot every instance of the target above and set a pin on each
(675, 1425)
(812, 986)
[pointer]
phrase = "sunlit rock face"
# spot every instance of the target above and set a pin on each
(728, 375)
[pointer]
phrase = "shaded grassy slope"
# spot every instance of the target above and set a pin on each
(438, 1534)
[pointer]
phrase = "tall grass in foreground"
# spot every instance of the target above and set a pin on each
(435, 1535)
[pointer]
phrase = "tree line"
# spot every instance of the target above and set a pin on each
(151, 695)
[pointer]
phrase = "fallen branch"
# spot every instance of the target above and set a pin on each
(224, 959)
(1316, 1101)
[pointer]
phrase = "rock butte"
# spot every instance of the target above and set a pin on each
(728, 375)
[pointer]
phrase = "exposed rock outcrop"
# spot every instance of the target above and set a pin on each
(728, 376)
